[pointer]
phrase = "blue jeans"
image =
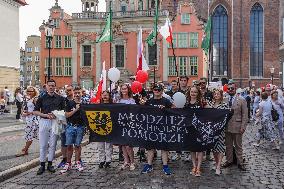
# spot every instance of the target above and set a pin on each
(74, 134)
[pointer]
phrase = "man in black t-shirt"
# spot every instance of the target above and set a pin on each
(206, 94)
(47, 139)
(161, 102)
(183, 82)
(74, 130)
(174, 89)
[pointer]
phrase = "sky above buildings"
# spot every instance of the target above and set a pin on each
(32, 15)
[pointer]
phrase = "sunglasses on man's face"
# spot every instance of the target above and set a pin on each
(202, 82)
(157, 90)
(231, 88)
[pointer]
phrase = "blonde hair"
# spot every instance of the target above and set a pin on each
(34, 89)
(221, 93)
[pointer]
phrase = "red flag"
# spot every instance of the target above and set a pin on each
(97, 98)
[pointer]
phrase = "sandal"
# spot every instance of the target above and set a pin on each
(124, 166)
(22, 153)
(197, 173)
(193, 171)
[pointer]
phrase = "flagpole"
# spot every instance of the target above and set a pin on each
(175, 61)
(156, 37)
(209, 55)
(110, 43)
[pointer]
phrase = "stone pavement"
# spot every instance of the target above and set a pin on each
(265, 169)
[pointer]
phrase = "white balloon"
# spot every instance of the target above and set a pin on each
(179, 99)
(113, 74)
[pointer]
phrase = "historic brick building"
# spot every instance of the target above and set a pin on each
(281, 41)
(60, 52)
(245, 39)
(128, 16)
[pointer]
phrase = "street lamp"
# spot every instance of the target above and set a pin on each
(272, 74)
(281, 79)
(49, 31)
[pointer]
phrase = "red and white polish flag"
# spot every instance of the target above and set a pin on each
(141, 62)
(166, 31)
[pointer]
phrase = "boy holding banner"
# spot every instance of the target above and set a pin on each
(158, 101)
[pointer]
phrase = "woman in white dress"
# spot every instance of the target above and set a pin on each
(31, 129)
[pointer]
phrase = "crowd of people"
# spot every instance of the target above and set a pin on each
(262, 107)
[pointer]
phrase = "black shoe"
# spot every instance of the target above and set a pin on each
(242, 167)
(107, 165)
(51, 169)
(101, 165)
(40, 171)
(227, 164)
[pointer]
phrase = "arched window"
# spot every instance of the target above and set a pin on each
(256, 40)
(123, 6)
(220, 41)
(153, 3)
(140, 5)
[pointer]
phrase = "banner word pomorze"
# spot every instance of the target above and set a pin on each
(153, 128)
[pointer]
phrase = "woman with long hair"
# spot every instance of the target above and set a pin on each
(128, 153)
(194, 100)
(105, 148)
(19, 102)
(219, 148)
(31, 130)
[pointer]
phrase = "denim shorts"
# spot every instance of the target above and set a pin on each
(74, 134)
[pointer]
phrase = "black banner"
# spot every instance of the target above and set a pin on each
(153, 128)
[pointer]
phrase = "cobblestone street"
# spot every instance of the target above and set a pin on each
(265, 169)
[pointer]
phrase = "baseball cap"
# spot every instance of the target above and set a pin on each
(158, 86)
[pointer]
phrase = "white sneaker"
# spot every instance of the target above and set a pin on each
(66, 168)
(132, 167)
(79, 166)
(276, 147)
(175, 157)
(255, 144)
(218, 172)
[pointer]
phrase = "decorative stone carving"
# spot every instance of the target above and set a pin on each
(86, 71)
(117, 28)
